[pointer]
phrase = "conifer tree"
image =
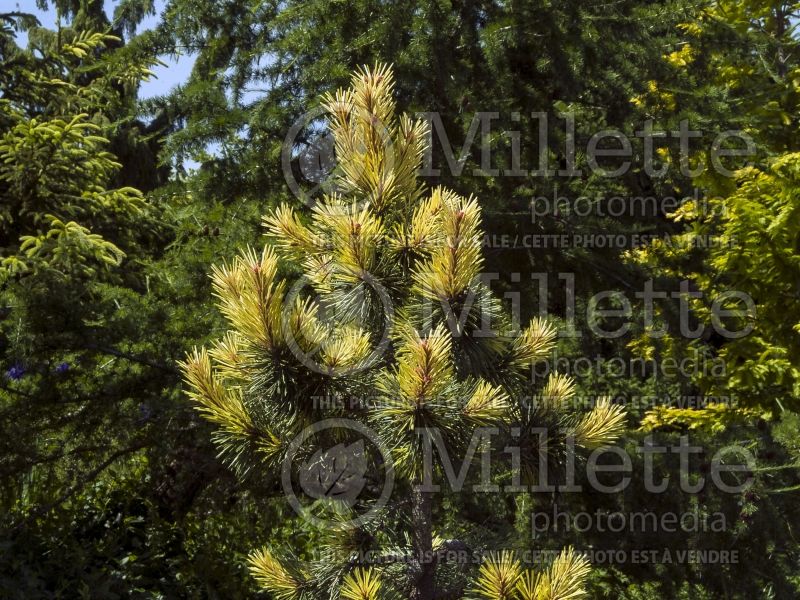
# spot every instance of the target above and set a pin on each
(737, 68)
(56, 174)
(518, 59)
(64, 231)
(388, 311)
(89, 388)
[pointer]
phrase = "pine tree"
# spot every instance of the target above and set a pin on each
(514, 58)
(376, 297)
(737, 68)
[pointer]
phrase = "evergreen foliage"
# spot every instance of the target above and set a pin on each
(112, 210)
(383, 255)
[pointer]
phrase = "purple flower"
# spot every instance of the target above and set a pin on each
(62, 368)
(16, 372)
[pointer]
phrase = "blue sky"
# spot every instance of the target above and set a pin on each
(177, 70)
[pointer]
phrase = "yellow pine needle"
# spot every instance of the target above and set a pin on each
(602, 426)
(320, 270)
(368, 151)
(361, 584)
(498, 576)
(304, 327)
(273, 576)
(424, 365)
(354, 237)
(425, 232)
(410, 145)
(218, 404)
(349, 347)
(456, 261)
(566, 578)
(289, 234)
(488, 404)
(248, 297)
(557, 393)
(529, 585)
(373, 91)
(533, 344)
(223, 406)
(227, 354)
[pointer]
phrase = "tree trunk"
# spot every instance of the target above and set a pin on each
(423, 583)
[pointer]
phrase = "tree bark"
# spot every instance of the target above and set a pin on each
(423, 579)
